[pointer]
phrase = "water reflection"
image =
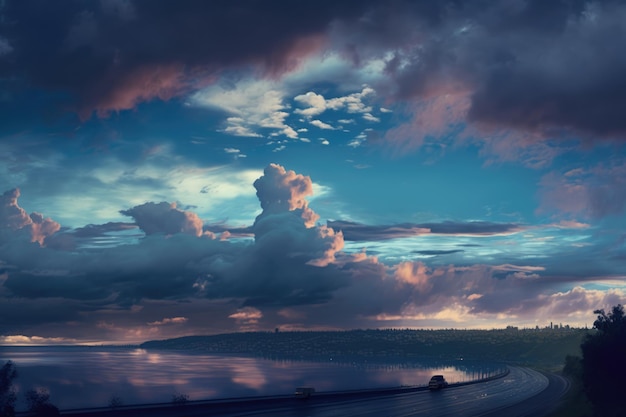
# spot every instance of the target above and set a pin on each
(89, 377)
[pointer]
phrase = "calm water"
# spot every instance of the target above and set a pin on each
(89, 377)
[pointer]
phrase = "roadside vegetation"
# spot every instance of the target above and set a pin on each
(37, 400)
(8, 373)
(597, 376)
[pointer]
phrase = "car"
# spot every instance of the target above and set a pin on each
(304, 392)
(437, 382)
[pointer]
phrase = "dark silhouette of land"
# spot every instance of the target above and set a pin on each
(512, 345)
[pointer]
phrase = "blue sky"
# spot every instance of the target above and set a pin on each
(174, 168)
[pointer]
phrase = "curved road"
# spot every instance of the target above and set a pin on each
(474, 400)
(521, 393)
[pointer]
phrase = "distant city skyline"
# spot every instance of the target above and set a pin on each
(178, 167)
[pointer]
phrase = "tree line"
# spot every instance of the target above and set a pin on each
(600, 371)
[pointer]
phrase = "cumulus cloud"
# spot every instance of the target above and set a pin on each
(321, 125)
(370, 118)
(280, 190)
(415, 274)
(14, 220)
(164, 218)
(315, 104)
(294, 273)
(353, 103)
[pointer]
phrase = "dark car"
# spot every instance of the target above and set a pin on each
(437, 382)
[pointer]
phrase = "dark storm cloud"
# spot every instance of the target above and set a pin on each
(532, 65)
(112, 55)
(541, 66)
(571, 77)
(357, 231)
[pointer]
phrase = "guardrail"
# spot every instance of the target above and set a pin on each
(171, 408)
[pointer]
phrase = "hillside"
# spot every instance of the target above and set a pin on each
(544, 346)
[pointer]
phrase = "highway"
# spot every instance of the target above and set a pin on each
(522, 393)
(470, 401)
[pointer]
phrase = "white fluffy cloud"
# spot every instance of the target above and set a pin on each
(254, 105)
(316, 104)
(321, 125)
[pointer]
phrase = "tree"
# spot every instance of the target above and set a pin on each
(7, 394)
(180, 399)
(115, 402)
(604, 359)
(39, 403)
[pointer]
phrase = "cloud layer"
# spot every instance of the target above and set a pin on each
(530, 66)
(293, 274)
(470, 153)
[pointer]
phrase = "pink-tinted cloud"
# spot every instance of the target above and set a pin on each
(334, 244)
(140, 85)
(570, 224)
(247, 318)
(14, 219)
(414, 273)
(440, 122)
(433, 116)
(280, 190)
(169, 320)
(593, 193)
(165, 218)
(181, 45)
(13, 216)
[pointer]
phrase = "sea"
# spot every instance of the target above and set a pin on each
(86, 377)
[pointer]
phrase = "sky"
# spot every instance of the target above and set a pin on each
(191, 167)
